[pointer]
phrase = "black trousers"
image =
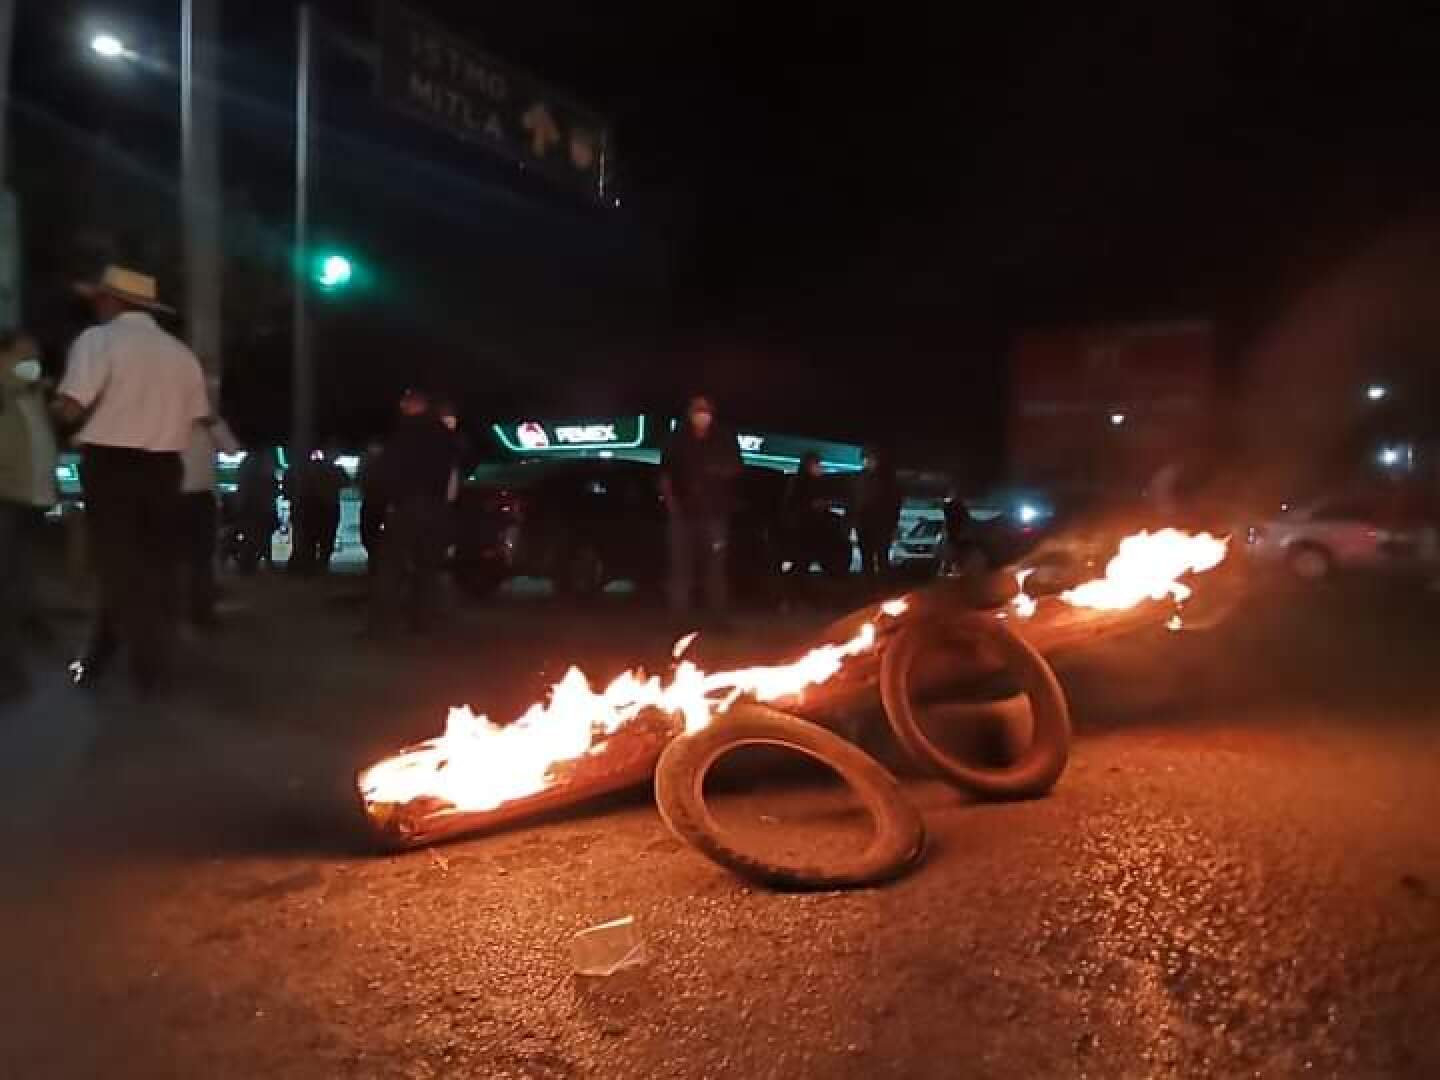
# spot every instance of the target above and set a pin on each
(372, 529)
(17, 599)
(131, 509)
(197, 555)
(416, 532)
(875, 538)
(313, 525)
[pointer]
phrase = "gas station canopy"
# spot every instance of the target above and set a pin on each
(642, 438)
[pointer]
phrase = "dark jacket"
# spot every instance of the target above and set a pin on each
(877, 498)
(319, 480)
(702, 472)
(805, 498)
(417, 461)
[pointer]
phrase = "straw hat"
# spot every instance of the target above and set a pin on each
(129, 286)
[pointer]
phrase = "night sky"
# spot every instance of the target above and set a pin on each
(834, 216)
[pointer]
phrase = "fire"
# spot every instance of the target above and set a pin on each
(477, 765)
(1149, 567)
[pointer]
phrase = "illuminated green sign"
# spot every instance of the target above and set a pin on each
(542, 437)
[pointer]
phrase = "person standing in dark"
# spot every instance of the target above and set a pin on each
(372, 505)
(964, 552)
(697, 481)
(27, 490)
(255, 511)
(198, 514)
(876, 513)
(134, 393)
(414, 480)
(806, 517)
(314, 488)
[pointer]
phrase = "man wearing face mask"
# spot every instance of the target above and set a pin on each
(27, 490)
(697, 481)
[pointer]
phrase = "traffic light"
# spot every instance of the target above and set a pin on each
(332, 271)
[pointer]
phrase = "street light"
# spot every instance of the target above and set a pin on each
(1377, 391)
(1117, 419)
(109, 46)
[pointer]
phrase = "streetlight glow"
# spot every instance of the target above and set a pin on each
(108, 46)
(1376, 392)
(1117, 419)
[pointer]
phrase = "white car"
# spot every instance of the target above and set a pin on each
(1382, 530)
(920, 543)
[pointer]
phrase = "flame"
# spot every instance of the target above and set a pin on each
(1149, 567)
(477, 765)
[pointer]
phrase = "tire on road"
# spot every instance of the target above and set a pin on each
(898, 842)
(1039, 765)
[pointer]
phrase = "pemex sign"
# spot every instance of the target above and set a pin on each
(439, 78)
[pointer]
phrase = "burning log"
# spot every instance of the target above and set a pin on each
(583, 743)
(622, 760)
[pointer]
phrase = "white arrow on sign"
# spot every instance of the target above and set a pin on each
(543, 131)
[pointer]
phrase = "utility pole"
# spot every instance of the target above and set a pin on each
(7, 31)
(200, 191)
(9, 212)
(302, 370)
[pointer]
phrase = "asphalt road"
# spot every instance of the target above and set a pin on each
(1238, 876)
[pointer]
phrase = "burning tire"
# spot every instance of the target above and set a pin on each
(899, 839)
(1039, 765)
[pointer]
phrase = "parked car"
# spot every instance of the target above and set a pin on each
(920, 544)
(1386, 529)
(584, 523)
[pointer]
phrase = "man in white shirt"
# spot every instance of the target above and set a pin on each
(198, 519)
(135, 393)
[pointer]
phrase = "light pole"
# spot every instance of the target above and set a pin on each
(200, 196)
(9, 213)
(200, 182)
(302, 367)
(199, 169)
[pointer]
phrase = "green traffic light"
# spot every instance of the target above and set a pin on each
(334, 272)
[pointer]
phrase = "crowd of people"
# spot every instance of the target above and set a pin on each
(698, 475)
(137, 404)
(134, 400)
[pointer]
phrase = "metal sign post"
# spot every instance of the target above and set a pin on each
(9, 208)
(302, 369)
(200, 198)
